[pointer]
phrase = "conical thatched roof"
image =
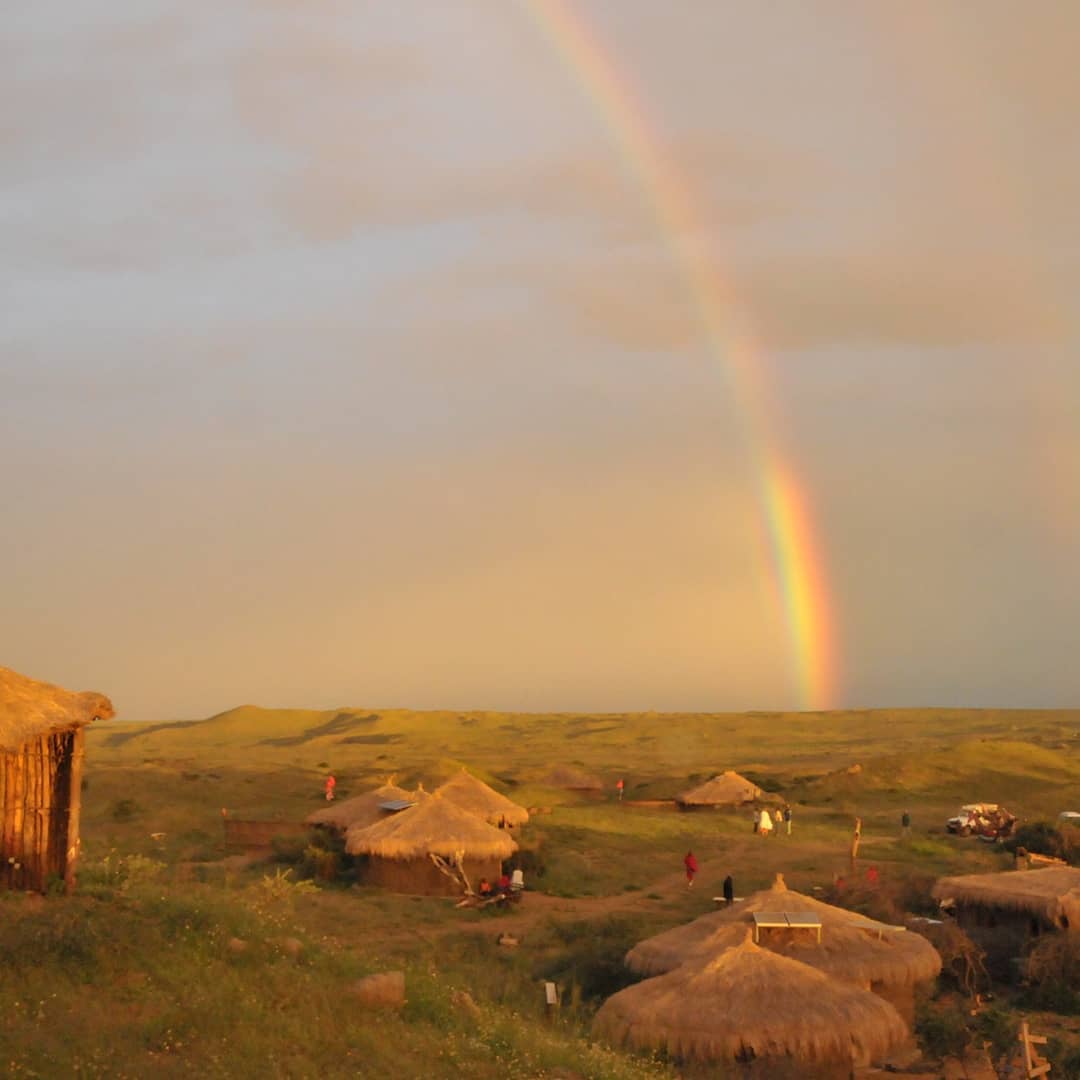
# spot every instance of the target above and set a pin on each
(1052, 894)
(359, 810)
(572, 778)
(852, 948)
(729, 788)
(434, 826)
(29, 709)
(750, 1003)
(469, 793)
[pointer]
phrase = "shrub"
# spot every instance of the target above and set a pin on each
(1043, 838)
(962, 961)
(942, 1028)
(591, 962)
(1052, 971)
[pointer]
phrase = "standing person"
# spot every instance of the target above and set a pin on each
(757, 819)
(331, 783)
(787, 817)
(691, 868)
(778, 819)
(765, 824)
(619, 787)
(905, 824)
(729, 891)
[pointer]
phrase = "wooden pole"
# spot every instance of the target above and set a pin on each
(74, 844)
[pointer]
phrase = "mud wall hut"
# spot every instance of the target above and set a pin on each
(399, 848)
(41, 759)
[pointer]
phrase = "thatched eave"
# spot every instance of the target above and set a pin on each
(30, 709)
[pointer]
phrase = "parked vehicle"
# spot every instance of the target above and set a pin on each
(987, 820)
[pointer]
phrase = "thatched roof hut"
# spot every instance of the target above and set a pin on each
(472, 794)
(361, 810)
(1050, 895)
(749, 1005)
(852, 947)
(400, 846)
(727, 789)
(41, 756)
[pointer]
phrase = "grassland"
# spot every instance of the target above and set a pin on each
(136, 975)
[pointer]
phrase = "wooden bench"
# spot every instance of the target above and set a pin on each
(785, 920)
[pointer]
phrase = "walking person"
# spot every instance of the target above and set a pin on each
(729, 891)
(778, 819)
(691, 868)
(787, 817)
(619, 787)
(331, 783)
(905, 825)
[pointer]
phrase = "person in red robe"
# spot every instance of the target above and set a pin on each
(691, 868)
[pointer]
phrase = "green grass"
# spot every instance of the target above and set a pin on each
(134, 977)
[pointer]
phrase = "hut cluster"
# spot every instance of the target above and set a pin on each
(405, 837)
(776, 981)
(41, 756)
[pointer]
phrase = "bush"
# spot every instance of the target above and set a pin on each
(961, 959)
(1043, 838)
(591, 962)
(1052, 971)
(942, 1028)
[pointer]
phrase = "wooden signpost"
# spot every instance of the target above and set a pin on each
(1034, 1064)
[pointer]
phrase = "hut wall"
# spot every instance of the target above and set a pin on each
(35, 805)
(1002, 934)
(421, 876)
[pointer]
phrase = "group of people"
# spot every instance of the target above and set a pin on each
(765, 821)
(508, 885)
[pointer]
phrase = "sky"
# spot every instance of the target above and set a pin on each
(448, 355)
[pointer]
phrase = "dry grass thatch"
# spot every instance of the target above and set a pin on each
(434, 826)
(727, 789)
(1051, 893)
(746, 1004)
(30, 709)
(853, 948)
(467, 792)
(361, 810)
(571, 778)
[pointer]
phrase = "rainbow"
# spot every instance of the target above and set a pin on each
(798, 568)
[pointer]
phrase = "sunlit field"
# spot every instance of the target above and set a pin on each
(179, 958)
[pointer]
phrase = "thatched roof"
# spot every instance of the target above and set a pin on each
(30, 709)
(1052, 893)
(749, 1002)
(573, 779)
(469, 793)
(434, 826)
(726, 789)
(359, 810)
(852, 948)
